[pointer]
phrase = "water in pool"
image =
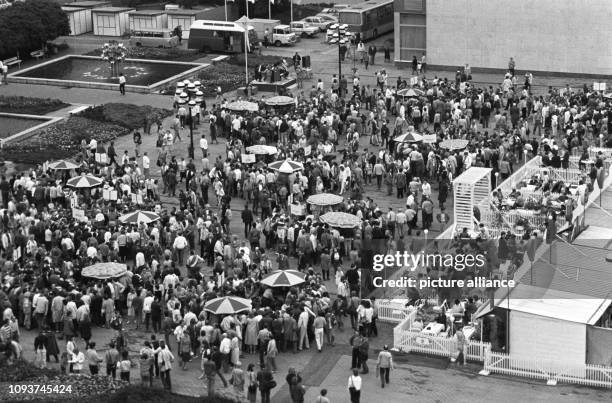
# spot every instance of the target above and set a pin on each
(98, 71)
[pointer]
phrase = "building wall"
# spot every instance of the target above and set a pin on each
(569, 36)
(535, 337)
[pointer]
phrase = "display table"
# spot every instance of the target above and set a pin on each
(433, 329)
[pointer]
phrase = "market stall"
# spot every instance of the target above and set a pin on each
(79, 19)
(111, 21)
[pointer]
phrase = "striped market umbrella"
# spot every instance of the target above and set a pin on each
(454, 144)
(287, 166)
(227, 305)
(279, 100)
(84, 181)
(608, 95)
(409, 138)
(104, 270)
(262, 149)
(62, 165)
(410, 93)
(243, 106)
(340, 219)
(284, 278)
(138, 216)
(325, 199)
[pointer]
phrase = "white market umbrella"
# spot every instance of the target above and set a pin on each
(284, 278)
(409, 138)
(136, 217)
(262, 149)
(325, 199)
(104, 270)
(84, 181)
(340, 219)
(227, 305)
(287, 166)
(62, 165)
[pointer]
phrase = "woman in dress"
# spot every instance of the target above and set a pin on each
(251, 382)
(252, 329)
(235, 350)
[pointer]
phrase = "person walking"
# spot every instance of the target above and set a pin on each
(322, 398)
(272, 352)
(165, 359)
(122, 81)
(237, 379)
(111, 357)
(319, 330)
(384, 365)
(354, 386)
(93, 359)
(266, 383)
(210, 370)
(251, 380)
(462, 345)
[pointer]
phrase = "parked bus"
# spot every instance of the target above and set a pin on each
(220, 36)
(368, 19)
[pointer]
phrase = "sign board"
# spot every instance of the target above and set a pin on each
(414, 80)
(79, 214)
(430, 138)
(298, 209)
(599, 86)
(101, 158)
(307, 150)
(248, 158)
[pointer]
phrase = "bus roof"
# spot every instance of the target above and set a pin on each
(366, 5)
(219, 25)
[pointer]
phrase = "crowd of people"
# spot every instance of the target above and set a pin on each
(190, 254)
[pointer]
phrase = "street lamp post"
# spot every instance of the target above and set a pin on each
(339, 58)
(191, 104)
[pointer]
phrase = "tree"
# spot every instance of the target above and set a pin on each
(26, 26)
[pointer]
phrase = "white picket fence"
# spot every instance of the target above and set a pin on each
(550, 371)
(568, 176)
(407, 340)
(394, 310)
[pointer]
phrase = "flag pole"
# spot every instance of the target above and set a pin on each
(270, 9)
(291, 2)
(225, 10)
(246, 51)
(246, 3)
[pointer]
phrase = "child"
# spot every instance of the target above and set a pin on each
(64, 362)
(124, 366)
(146, 363)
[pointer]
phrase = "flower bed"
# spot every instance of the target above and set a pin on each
(63, 140)
(174, 54)
(227, 76)
(30, 106)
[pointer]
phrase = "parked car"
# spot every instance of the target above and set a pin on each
(328, 17)
(318, 22)
(282, 35)
(334, 10)
(304, 29)
(162, 38)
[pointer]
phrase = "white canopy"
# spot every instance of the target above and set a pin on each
(551, 304)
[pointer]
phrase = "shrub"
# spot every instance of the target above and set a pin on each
(125, 115)
(63, 140)
(30, 106)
